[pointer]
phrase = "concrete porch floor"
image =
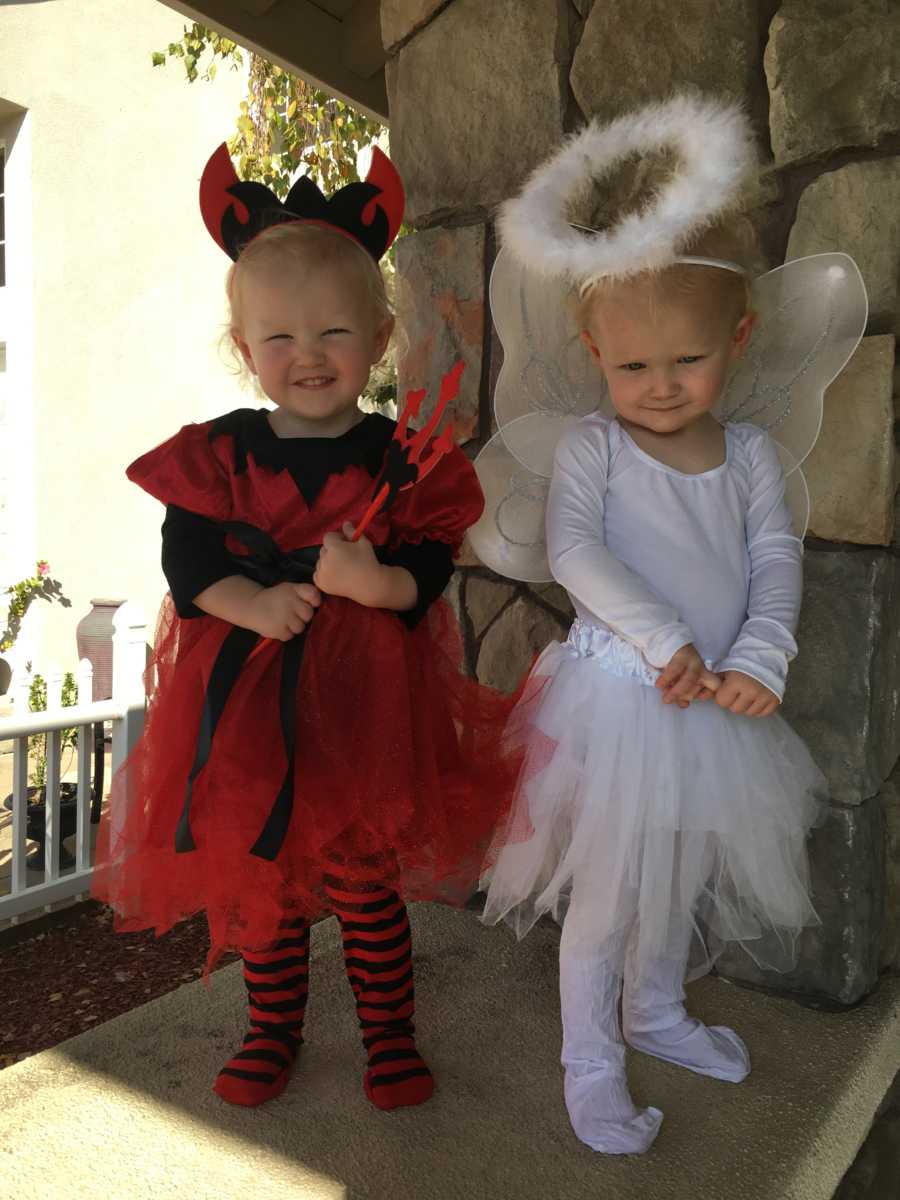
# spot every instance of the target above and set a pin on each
(125, 1110)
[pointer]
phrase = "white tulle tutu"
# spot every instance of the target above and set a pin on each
(657, 815)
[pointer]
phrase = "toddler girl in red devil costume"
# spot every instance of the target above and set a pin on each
(310, 744)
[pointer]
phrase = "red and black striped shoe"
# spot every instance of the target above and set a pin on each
(277, 984)
(378, 959)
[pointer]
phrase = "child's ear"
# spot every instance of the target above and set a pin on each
(382, 337)
(588, 340)
(244, 348)
(740, 339)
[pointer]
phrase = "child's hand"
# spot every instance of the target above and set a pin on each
(686, 677)
(349, 569)
(745, 695)
(282, 611)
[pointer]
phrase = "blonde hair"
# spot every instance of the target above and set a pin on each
(718, 290)
(305, 248)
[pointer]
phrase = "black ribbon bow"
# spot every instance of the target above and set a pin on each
(268, 565)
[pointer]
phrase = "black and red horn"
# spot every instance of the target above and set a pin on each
(235, 211)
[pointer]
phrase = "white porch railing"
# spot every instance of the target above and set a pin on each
(126, 713)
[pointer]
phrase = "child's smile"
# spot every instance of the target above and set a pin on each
(315, 381)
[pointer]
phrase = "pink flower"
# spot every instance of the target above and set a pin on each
(43, 569)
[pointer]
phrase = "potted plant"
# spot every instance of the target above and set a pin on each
(36, 826)
(39, 586)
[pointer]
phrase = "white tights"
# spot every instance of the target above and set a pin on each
(600, 1107)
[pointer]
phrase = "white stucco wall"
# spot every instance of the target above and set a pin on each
(114, 302)
(17, 500)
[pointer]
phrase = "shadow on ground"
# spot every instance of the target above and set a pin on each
(130, 1101)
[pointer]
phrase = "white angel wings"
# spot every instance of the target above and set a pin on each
(811, 317)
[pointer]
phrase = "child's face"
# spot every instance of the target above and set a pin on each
(665, 368)
(311, 338)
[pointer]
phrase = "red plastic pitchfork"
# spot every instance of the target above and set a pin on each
(403, 466)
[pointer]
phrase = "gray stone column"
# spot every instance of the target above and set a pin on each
(843, 699)
(832, 70)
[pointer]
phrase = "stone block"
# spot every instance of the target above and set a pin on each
(833, 68)
(510, 644)
(890, 806)
(557, 598)
(627, 57)
(440, 306)
(477, 99)
(852, 472)
(485, 599)
(453, 595)
(855, 209)
(467, 556)
(838, 960)
(843, 694)
(400, 19)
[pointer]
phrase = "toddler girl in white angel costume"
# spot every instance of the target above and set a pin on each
(674, 808)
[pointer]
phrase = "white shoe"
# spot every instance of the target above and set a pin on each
(713, 1050)
(602, 1113)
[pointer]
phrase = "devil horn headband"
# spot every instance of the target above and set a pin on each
(235, 211)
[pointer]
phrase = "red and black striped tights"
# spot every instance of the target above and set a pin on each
(378, 959)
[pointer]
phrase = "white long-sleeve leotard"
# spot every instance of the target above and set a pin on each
(662, 558)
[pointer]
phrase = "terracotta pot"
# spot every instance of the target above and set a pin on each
(94, 635)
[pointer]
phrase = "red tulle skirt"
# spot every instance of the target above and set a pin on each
(402, 774)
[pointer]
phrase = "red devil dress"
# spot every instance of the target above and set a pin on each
(356, 749)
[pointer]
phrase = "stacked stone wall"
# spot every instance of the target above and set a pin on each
(480, 92)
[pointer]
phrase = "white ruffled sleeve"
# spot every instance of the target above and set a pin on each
(765, 644)
(580, 560)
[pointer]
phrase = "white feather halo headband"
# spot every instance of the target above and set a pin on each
(713, 141)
